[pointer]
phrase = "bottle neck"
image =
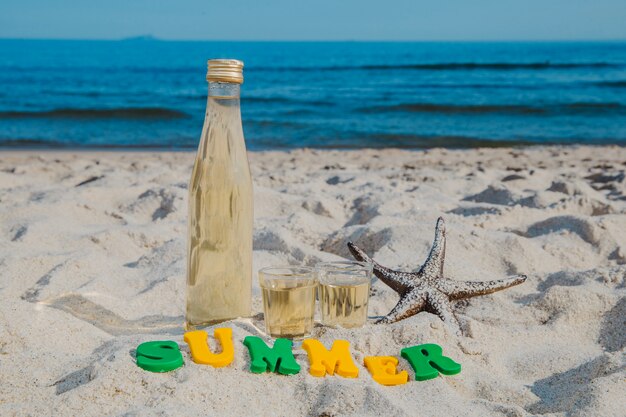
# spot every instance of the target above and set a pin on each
(222, 133)
(221, 90)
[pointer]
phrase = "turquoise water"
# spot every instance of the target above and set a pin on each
(307, 94)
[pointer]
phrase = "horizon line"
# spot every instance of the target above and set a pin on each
(150, 38)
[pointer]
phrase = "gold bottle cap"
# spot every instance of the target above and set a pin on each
(225, 70)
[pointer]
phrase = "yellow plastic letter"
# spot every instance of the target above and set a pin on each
(199, 347)
(383, 370)
(323, 361)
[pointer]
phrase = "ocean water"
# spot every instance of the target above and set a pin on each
(152, 94)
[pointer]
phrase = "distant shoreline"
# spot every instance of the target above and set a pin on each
(470, 41)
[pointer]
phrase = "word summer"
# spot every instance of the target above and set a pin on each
(427, 360)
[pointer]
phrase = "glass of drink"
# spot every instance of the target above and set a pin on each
(288, 300)
(344, 289)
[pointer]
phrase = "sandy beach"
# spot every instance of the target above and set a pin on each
(92, 263)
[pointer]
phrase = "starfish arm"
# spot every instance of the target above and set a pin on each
(409, 305)
(457, 290)
(434, 263)
(400, 282)
(441, 306)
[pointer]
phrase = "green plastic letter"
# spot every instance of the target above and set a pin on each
(277, 359)
(161, 356)
(427, 361)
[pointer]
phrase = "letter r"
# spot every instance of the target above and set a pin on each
(427, 361)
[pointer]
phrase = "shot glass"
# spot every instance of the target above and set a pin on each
(288, 300)
(343, 292)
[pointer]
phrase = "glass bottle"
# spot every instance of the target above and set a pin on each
(219, 269)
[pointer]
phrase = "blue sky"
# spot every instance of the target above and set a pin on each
(315, 19)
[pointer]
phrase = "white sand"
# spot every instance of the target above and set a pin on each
(89, 272)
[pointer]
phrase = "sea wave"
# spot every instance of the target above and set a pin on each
(372, 140)
(408, 141)
(275, 123)
(554, 109)
(453, 66)
(612, 84)
(113, 113)
(286, 100)
(24, 143)
(181, 143)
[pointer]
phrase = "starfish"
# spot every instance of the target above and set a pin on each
(427, 289)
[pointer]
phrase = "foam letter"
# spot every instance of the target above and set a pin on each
(277, 359)
(201, 353)
(427, 361)
(383, 370)
(323, 361)
(161, 356)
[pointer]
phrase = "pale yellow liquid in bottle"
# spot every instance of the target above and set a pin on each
(344, 305)
(219, 271)
(289, 311)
